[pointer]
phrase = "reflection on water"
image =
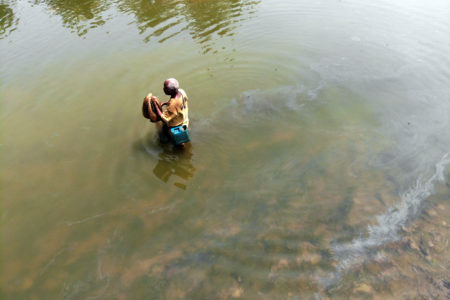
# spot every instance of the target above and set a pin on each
(202, 19)
(220, 17)
(159, 19)
(80, 15)
(157, 16)
(8, 21)
(170, 164)
(175, 161)
(163, 20)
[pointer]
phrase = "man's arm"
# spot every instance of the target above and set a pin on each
(167, 115)
(158, 111)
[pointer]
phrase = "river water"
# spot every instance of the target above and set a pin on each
(318, 168)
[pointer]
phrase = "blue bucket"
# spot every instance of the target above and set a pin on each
(180, 134)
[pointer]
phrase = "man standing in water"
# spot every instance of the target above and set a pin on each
(176, 112)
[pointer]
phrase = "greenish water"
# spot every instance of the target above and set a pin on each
(318, 166)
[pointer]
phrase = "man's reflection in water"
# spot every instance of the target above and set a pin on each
(175, 161)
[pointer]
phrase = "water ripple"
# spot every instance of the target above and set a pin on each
(160, 20)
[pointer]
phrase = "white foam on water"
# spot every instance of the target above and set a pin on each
(259, 105)
(277, 100)
(351, 254)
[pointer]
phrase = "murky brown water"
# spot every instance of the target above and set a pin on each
(318, 166)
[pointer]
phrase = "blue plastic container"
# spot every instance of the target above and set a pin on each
(180, 134)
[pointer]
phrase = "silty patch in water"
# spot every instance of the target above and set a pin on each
(363, 249)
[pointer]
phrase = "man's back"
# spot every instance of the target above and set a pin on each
(176, 112)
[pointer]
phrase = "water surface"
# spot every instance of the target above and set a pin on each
(318, 166)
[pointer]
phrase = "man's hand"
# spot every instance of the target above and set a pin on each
(158, 111)
(149, 96)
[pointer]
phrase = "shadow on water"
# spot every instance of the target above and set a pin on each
(8, 21)
(159, 19)
(171, 161)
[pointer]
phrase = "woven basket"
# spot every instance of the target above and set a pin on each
(149, 110)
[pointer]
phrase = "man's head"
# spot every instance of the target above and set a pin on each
(171, 87)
